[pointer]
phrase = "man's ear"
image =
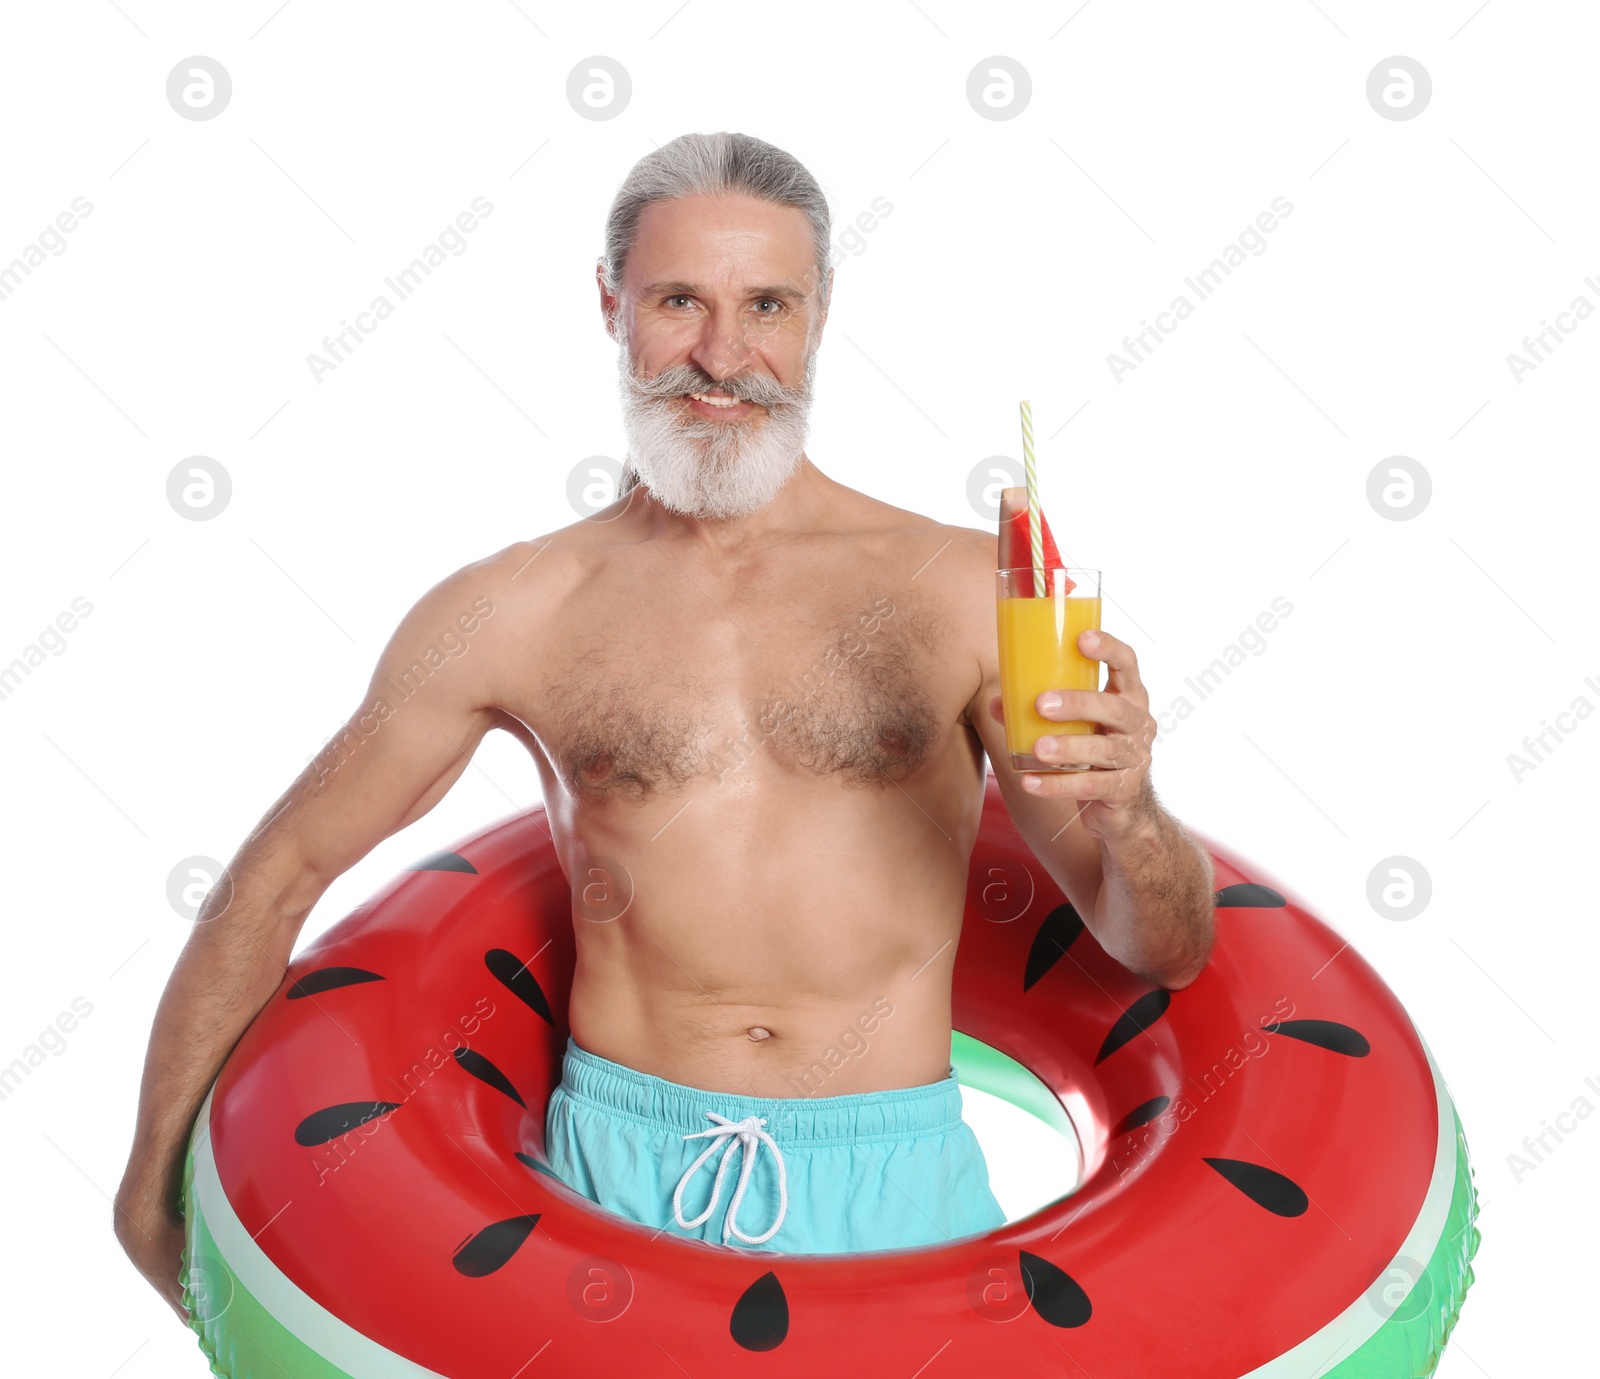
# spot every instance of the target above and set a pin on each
(822, 310)
(608, 304)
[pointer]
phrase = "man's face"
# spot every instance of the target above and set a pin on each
(718, 300)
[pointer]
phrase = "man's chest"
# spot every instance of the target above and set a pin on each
(865, 687)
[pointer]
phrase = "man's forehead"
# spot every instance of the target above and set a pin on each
(738, 242)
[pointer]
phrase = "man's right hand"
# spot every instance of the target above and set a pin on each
(152, 1235)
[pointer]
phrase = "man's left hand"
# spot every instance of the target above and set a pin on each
(1115, 790)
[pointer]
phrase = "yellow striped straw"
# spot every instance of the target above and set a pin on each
(1035, 540)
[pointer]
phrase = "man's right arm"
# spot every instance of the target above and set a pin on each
(428, 705)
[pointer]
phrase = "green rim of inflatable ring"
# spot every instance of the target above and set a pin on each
(1422, 1305)
(221, 1309)
(1410, 1342)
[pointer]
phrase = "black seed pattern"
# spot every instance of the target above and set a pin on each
(329, 979)
(760, 1319)
(1134, 1020)
(1140, 1115)
(485, 1071)
(443, 861)
(1325, 1034)
(332, 1121)
(1266, 1187)
(1249, 894)
(491, 1247)
(512, 973)
(538, 1167)
(1054, 1293)
(1058, 932)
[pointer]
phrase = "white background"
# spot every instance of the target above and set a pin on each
(1228, 469)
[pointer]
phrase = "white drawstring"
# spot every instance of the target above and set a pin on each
(746, 1133)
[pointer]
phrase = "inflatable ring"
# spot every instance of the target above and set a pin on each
(365, 1192)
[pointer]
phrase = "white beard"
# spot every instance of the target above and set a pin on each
(712, 469)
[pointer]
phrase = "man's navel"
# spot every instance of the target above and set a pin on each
(759, 1032)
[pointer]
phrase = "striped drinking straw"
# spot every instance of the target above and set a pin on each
(1035, 541)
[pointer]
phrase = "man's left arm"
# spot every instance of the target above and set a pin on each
(1143, 884)
(1156, 897)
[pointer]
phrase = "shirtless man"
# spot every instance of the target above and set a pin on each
(759, 703)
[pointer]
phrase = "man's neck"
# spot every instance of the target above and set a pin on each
(802, 504)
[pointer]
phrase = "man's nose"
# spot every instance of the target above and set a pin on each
(721, 349)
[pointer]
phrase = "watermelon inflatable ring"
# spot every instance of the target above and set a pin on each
(1272, 1178)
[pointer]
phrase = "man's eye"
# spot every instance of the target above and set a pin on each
(774, 301)
(676, 297)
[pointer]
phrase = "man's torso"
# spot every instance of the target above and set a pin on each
(764, 790)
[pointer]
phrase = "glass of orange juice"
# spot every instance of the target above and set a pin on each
(1039, 651)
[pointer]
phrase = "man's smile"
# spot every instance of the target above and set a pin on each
(718, 404)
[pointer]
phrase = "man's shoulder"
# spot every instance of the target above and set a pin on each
(508, 589)
(976, 543)
(509, 606)
(957, 558)
(873, 515)
(552, 558)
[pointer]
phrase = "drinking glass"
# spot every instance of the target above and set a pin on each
(1039, 651)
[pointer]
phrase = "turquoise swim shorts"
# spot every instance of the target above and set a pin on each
(799, 1175)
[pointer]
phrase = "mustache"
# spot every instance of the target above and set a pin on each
(674, 382)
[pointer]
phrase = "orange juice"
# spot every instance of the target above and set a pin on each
(1039, 651)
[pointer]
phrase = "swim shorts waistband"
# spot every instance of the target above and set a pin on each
(802, 1121)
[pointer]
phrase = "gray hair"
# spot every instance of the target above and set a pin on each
(713, 165)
